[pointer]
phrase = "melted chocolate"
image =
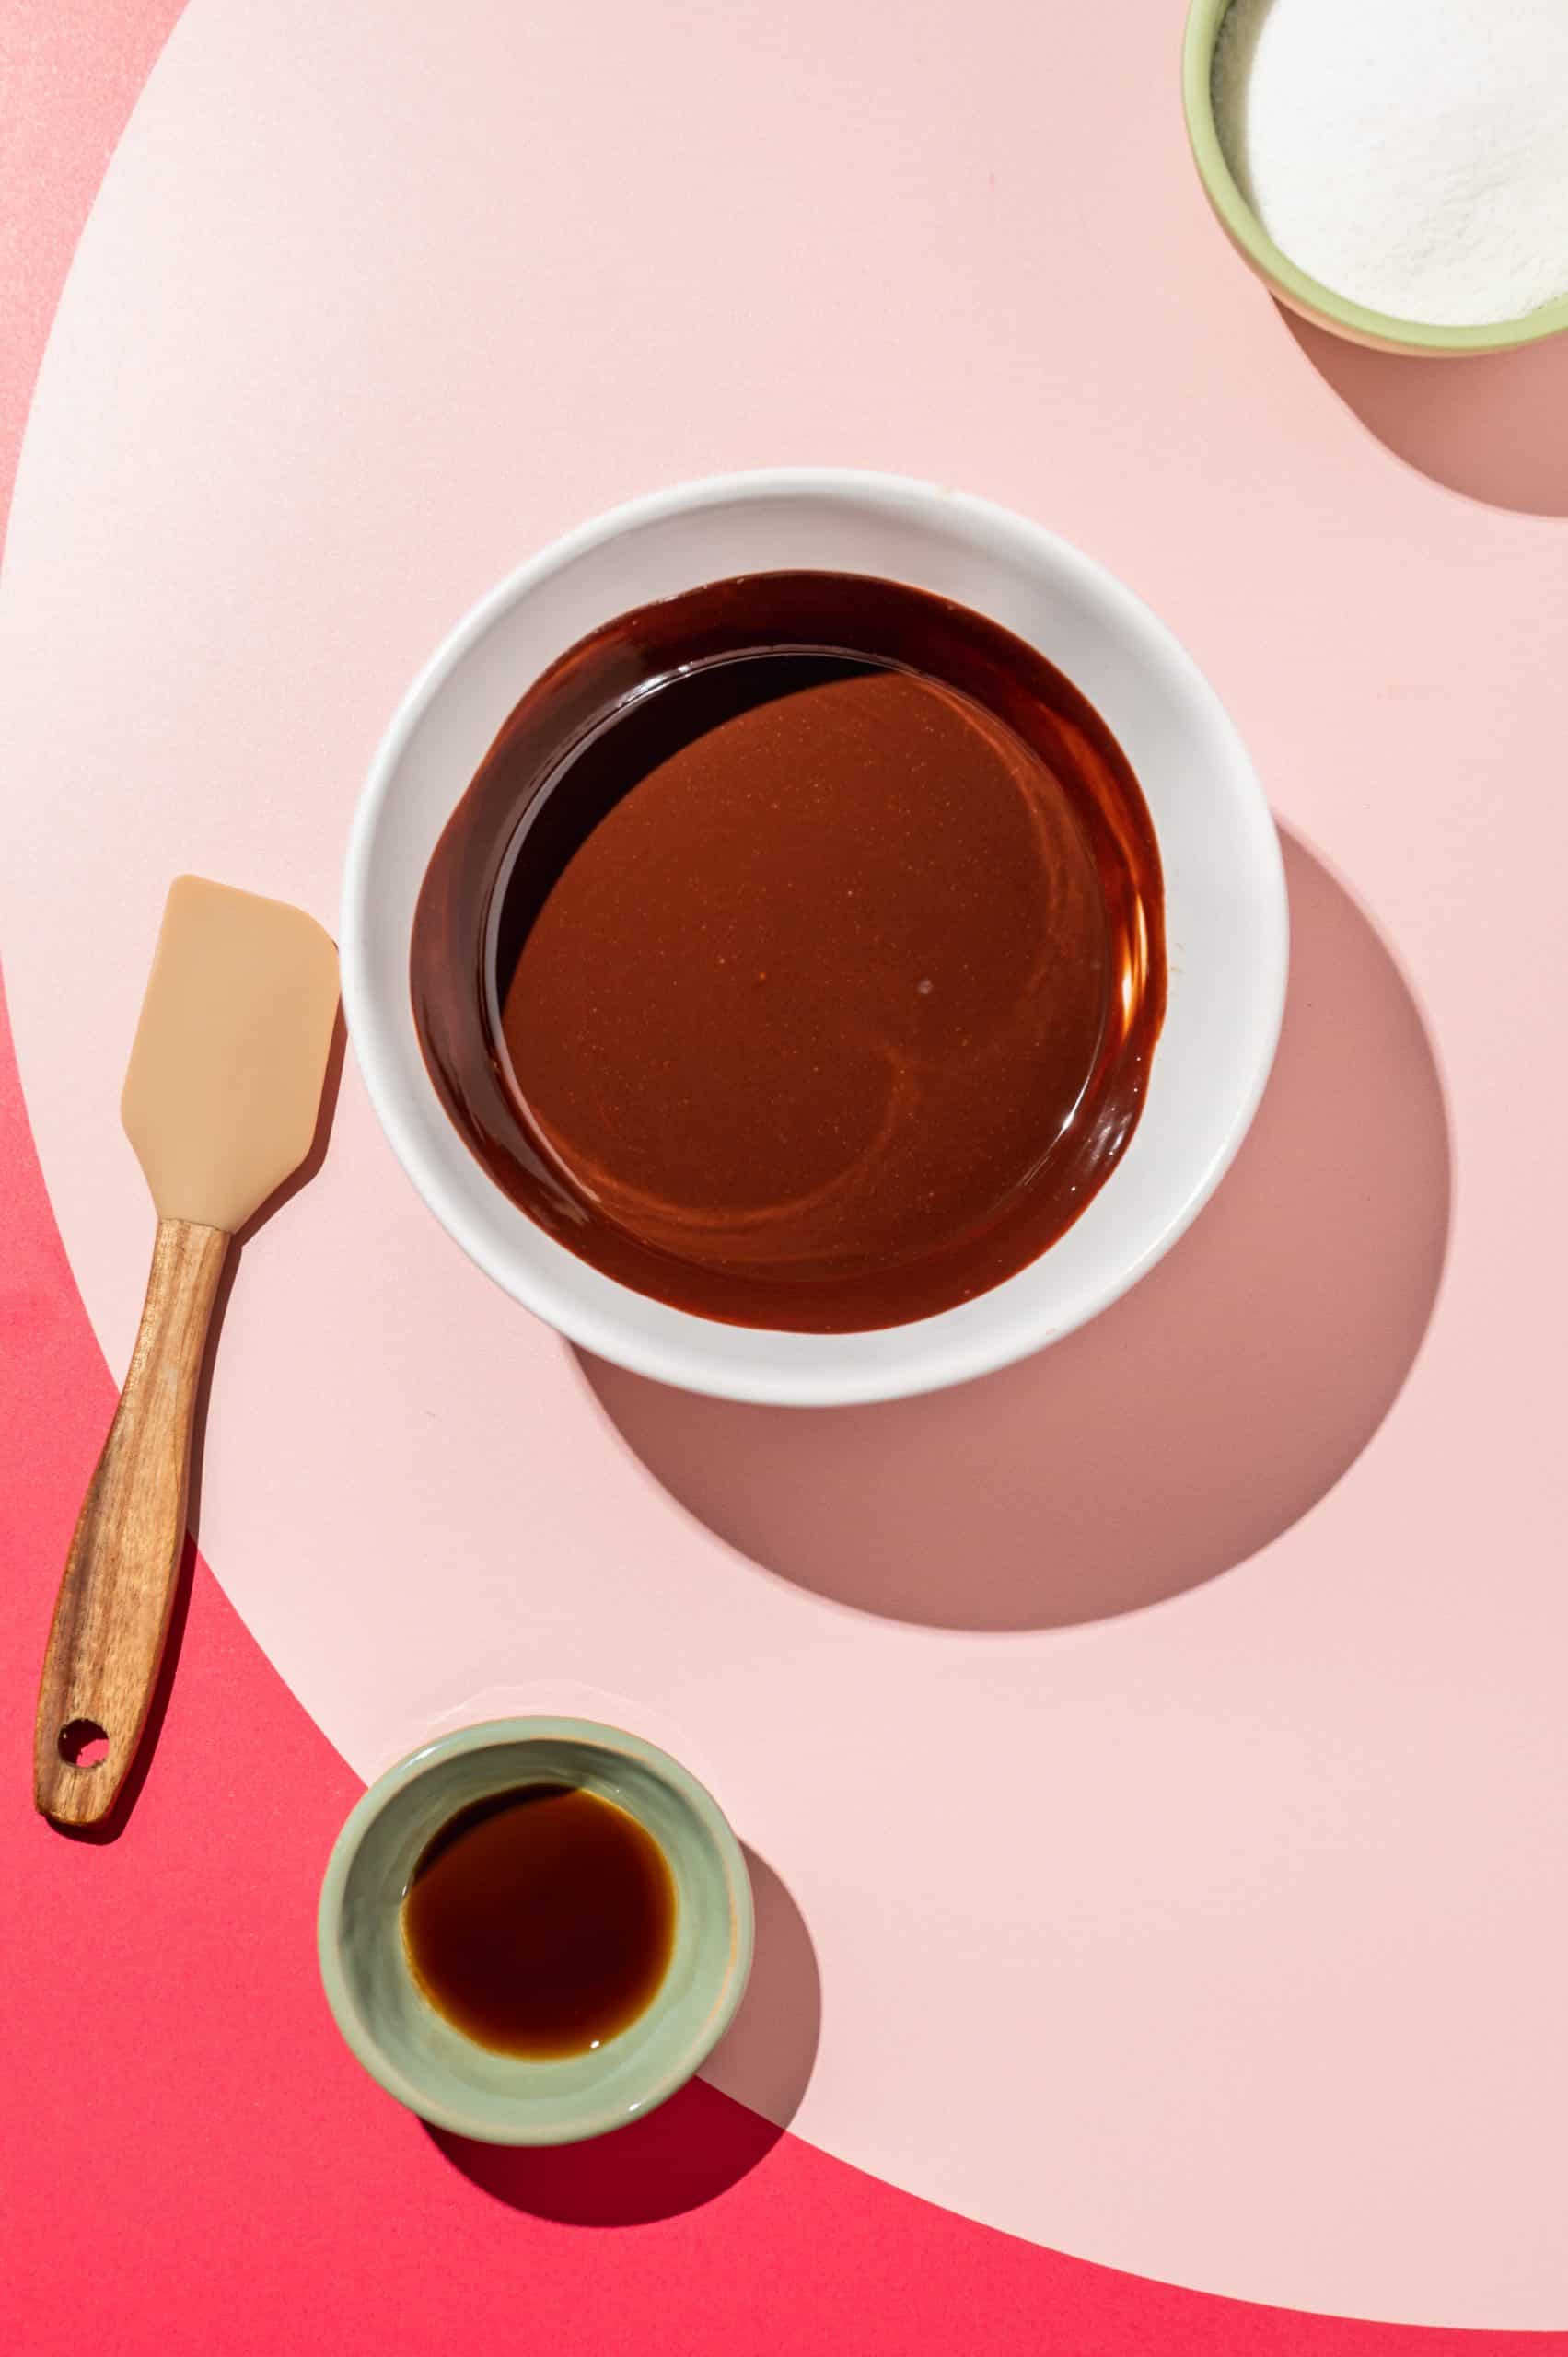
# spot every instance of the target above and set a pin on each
(796, 955)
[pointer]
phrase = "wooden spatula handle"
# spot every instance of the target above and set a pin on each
(112, 1613)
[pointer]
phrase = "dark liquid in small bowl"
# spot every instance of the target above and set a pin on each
(541, 1921)
(796, 955)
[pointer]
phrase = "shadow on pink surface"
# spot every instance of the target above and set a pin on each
(687, 2153)
(1197, 1420)
(1491, 427)
(700, 2143)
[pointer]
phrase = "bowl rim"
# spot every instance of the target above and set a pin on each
(485, 1734)
(1383, 329)
(778, 1383)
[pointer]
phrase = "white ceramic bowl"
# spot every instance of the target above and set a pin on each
(1225, 917)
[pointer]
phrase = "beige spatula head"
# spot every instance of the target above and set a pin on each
(225, 1081)
(221, 1104)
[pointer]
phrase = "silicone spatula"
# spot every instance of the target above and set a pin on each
(221, 1103)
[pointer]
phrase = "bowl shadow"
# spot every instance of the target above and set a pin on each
(711, 2132)
(1489, 425)
(1194, 1422)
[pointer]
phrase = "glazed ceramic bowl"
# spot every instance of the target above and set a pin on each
(433, 2068)
(1303, 294)
(1224, 906)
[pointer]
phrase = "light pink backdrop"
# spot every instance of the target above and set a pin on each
(1263, 1887)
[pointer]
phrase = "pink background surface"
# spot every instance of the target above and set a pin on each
(359, 319)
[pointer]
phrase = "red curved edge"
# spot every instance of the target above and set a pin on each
(190, 2158)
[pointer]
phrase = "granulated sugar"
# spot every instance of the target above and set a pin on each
(1412, 155)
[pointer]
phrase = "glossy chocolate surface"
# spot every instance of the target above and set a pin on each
(796, 955)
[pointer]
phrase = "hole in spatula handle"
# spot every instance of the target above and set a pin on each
(84, 1743)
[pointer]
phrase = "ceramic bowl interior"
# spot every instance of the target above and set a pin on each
(1306, 295)
(432, 2067)
(1225, 921)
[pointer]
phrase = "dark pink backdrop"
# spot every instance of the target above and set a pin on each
(192, 2160)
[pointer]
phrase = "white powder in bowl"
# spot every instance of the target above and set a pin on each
(1412, 155)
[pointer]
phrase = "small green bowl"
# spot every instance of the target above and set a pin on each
(1309, 295)
(418, 2056)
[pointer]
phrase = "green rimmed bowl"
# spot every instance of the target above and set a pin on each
(1308, 295)
(430, 2066)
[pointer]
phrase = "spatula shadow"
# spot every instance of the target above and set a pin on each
(332, 1082)
(110, 1828)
